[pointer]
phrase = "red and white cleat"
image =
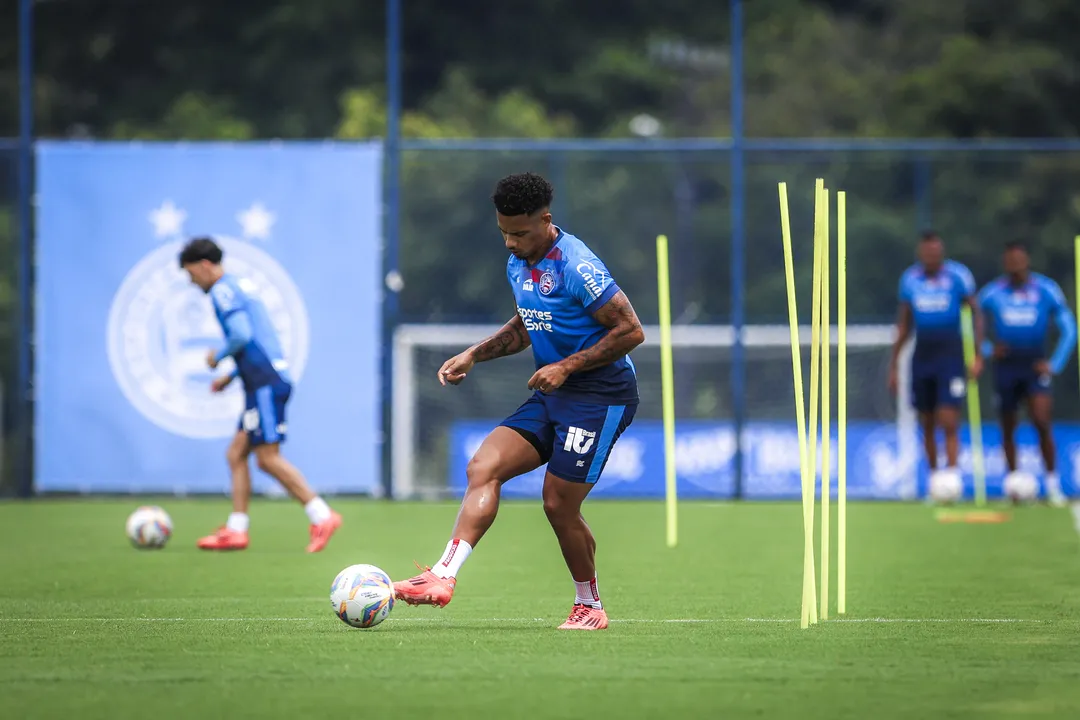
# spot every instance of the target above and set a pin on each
(224, 539)
(584, 617)
(321, 533)
(427, 588)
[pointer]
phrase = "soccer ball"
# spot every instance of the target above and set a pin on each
(1021, 487)
(362, 596)
(149, 527)
(946, 486)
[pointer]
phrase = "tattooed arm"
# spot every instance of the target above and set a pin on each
(512, 338)
(623, 335)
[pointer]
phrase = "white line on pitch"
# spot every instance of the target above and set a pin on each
(523, 620)
(1075, 507)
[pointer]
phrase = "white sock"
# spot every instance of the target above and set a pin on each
(317, 510)
(587, 594)
(1052, 483)
(454, 556)
(238, 522)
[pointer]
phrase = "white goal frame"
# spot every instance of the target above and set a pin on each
(456, 337)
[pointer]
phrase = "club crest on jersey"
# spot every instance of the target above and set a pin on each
(547, 283)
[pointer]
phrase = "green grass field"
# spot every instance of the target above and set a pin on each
(944, 620)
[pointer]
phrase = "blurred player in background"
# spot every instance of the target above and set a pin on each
(932, 292)
(1019, 306)
(581, 327)
(253, 344)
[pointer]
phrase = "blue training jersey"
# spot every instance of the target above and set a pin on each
(935, 302)
(250, 335)
(556, 299)
(1020, 318)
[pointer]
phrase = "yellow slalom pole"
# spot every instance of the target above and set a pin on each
(974, 413)
(841, 402)
(815, 377)
(826, 400)
(800, 412)
(667, 389)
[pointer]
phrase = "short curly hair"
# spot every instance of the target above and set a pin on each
(522, 194)
(201, 248)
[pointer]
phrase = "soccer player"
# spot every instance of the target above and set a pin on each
(932, 292)
(581, 327)
(253, 344)
(1019, 306)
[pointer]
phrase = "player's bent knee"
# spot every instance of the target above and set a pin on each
(267, 458)
(482, 470)
(556, 509)
(562, 500)
(236, 458)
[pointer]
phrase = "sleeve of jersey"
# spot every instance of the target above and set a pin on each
(903, 293)
(589, 282)
(238, 333)
(967, 281)
(225, 298)
(1066, 325)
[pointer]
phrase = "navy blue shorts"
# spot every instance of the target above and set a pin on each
(574, 438)
(264, 414)
(936, 382)
(1013, 382)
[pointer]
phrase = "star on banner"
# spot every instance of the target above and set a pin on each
(168, 220)
(256, 222)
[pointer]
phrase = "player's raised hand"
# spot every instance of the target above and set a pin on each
(548, 378)
(455, 369)
(220, 383)
(211, 359)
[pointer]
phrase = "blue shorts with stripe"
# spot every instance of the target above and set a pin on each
(264, 414)
(574, 438)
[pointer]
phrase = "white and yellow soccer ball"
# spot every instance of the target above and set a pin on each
(149, 527)
(1021, 487)
(362, 596)
(946, 486)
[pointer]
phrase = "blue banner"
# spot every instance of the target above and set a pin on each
(883, 464)
(123, 398)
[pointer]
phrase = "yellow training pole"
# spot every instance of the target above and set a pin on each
(841, 402)
(667, 389)
(800, 413)
(974, 413)
(826, 400)
(815, 369)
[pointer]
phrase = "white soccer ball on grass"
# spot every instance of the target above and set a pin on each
(362, 596)
(149, 527)
(946, 486)
(1021, 487)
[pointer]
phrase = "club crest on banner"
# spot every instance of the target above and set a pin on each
(161, 327)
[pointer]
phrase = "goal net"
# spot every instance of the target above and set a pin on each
(436, 428)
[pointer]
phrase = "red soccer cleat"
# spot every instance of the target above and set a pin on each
(224, 539)
(584, 617)
(427, 588)
(321, 533)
